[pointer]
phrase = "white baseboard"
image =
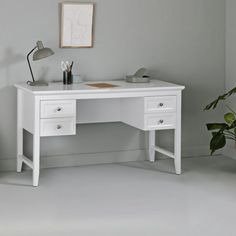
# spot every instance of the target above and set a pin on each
(230, 152)
(100, 158)
(81, 159)
(93, 158)
(196, 151)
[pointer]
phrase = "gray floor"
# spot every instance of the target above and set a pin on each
(122, 199)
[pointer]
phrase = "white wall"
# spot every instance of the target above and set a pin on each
(230, 80)
(230, 60)
(180, 41)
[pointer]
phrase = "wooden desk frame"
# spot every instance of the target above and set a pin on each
(149, 107)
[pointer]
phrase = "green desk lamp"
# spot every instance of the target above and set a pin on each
(40, 53)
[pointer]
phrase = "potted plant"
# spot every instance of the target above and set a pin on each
(222, 131)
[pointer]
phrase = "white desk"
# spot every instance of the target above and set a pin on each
(56, 109)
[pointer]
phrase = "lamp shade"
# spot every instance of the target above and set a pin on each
(42, 52)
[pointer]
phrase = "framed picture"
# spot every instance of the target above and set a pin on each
(77, 25)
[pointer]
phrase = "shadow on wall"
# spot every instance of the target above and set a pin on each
(8, 103)
(44, 71)
(9, 59)
(8, 122)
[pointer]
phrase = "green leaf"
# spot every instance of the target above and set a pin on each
(233, 125)
(211, 105)
(215, 126)
(235, 131)
(229, 118)
(214, 104)
(218, 141)
(232, 91)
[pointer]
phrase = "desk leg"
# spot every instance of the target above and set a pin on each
(19, 132)
(177, 153)
(151, 146)
(36, 159)
(19, 149)
(36, 143)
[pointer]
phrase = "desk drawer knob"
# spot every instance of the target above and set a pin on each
(161, 104)
(59, 109)
(59, 126)
(161, 121)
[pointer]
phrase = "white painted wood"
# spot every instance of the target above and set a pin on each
(160, 121)
(164, 152)
(178, 136)
(25, 120)
(19, 131)
(58, 108)
(36, 142)
(84, 88)
(57, 127)
(100, 110)
(152, 146)
(27, 161)
(28, 111)
(132, 112)
(107, 94)
(160, 104)
(133, 104)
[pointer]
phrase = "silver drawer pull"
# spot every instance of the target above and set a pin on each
(161, 121)
(161, 104)
(59, 109)
(59, 126)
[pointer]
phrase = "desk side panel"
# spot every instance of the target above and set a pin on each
(26, 111)
(132, 112)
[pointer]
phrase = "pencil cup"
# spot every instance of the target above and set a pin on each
(67, 77)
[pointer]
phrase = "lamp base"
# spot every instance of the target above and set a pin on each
(37, 83)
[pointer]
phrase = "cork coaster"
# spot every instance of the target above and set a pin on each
(102, 85)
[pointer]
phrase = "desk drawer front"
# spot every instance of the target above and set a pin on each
(156, 104)
(58, 108)
(160, 121)
(57, 127)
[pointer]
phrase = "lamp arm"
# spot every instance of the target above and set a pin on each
(29, 62)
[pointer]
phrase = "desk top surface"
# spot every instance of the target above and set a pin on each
(85, 87)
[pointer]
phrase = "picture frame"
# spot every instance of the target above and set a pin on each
(77, 20)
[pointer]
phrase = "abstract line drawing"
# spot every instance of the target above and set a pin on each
(77, 25)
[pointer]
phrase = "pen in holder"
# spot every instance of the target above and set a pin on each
(67, 77)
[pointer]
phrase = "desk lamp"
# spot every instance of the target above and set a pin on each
(40, 53)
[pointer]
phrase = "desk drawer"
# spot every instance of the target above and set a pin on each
(57, 127)
(58, 108)
(156, 104)
(160, 121)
